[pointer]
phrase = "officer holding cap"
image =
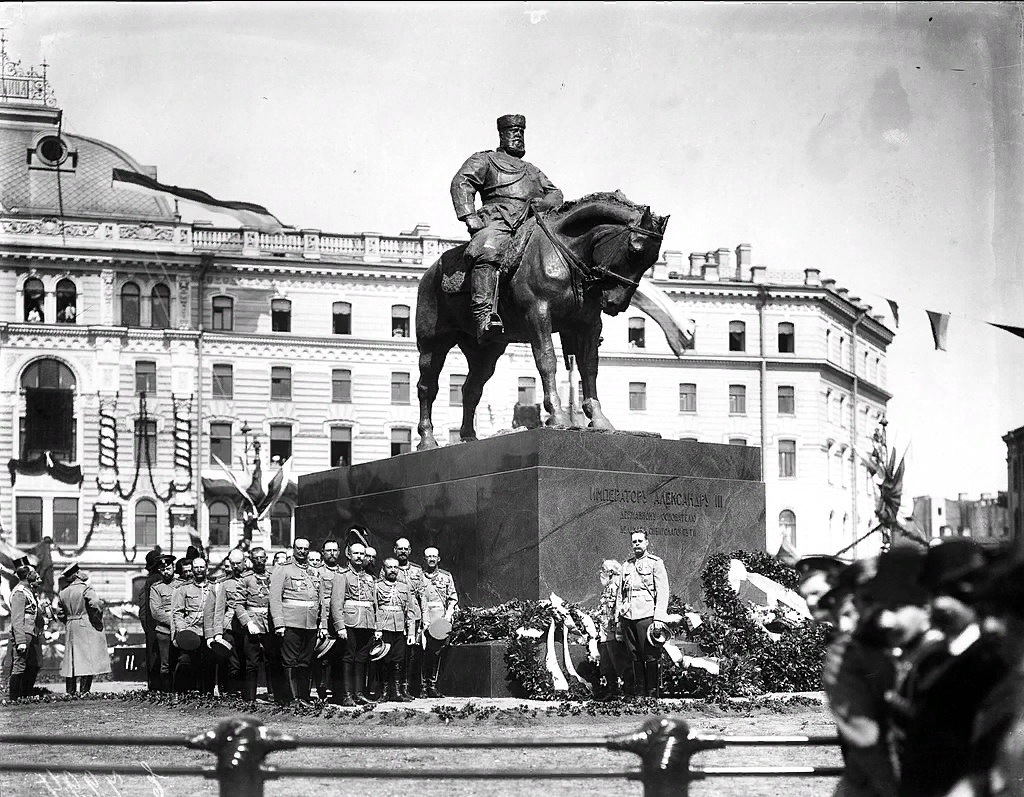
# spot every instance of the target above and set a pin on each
(192, 608)
(161, 603)
(440, 600)
(354, 612)
(642, 609)
(295, 595)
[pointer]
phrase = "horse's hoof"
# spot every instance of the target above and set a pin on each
(426, 445)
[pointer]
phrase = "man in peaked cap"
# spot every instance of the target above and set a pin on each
(815, 578)
(154, 562)
(85, 646)
(27, 623)
(508, 188)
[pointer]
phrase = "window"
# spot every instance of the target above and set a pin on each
(828, 467)
(342, 318)
(737, 400)
(401, 441)
(637, 336)
(341, 446)
(220, 524)
(220, 443)
(878, 370)
(160, 307)
(145, 377)
(67, 302)
(280, 315)
(280, 443)
(737, 336)
(842, 351)
(49, 389)
(864, 370)
(223, 313)
(787, 338)
(842, 411)
(341, 386)
(737, 441)
(145, 441)
(35, 296)
(130, 305)
(638, 396)
(280, 383)
(454, 436)
(787, 459)
(527, 390)
(145, 523)
(787, 526)
(29, 520)
(223, 381)
(281, 525)
(787, 400)
(687, 397)
(399, 387)
(455, 383)
(65, 521)
(841, 462)
(399, 320)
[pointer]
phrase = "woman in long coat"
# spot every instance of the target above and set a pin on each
(85, 644)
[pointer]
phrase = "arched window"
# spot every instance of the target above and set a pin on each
(130, 313)
(637, 333)
(400, 320)
(342, 318)
(737, 336)
(67, 302)
(145, 523)
(787, 526)
(160, 307)
(35, 295)
(220, 524)
(281, 525)
(49, 420)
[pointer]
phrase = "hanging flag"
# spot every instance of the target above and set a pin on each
(1018, 331)
(254, 216)
(940, 323)
(276, 488)
(895, 312)
(255, 489)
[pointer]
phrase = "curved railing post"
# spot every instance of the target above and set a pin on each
(241, 744)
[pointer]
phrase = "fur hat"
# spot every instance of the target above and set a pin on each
(511, 120)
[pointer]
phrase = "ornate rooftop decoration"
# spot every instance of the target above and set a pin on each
(23, 84)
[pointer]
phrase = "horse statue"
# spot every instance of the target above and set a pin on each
(562, 269)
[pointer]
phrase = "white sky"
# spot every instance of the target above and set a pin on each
(880, 143)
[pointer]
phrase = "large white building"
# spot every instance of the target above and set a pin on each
(301, 342)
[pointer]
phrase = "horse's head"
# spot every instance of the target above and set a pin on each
(628, 253)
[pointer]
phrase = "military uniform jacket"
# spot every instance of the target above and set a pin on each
(327, 574)
(353, 600)
(295, 594)
(643, 590)
(439, 596)
(505, 184)
(224, 612)
(27, 619)
(412, 575)
(395, 603)
(192, 608)
(251, 600)
(161, 598)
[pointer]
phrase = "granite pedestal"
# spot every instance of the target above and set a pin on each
(526, 514)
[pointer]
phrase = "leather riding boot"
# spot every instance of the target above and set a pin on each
(349, 677)
(406, 676)
(71, 685)
(389, 693)
(431, 669)
(360, 676)
(304, 683)
(651, 669)
(484, 302)
(399, 697)
(375, 680)
(15, 687)
(28, 686)
(85, 684)
(639, 679)
(291, 675)
(249, 687)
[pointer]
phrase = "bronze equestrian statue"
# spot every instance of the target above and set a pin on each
(560, 269)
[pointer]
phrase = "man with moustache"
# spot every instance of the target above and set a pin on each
(642, 603)
(316, 674)
(27, 625)
(250, 605)
(354, 612)
(295, 597)
(412, 575)
(194, 671)
(223, 631)
(331, 666)
(395, 603)
(440, 601)
(153, 563)
(161, 600)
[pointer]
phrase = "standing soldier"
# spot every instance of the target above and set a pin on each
(27, 623)
(642, 605)
(191, 610)
(440, 601)
(395, 612)
(85, 646)
(612, 656)
(250, 604)
(331, 664)
(224, 630)
(354, 612)
(295, 594)
(161, 598)
(411, 574)
(154, 560)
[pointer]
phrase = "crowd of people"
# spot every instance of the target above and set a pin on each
(924, 674)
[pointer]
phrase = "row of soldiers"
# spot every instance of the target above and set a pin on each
(924, 674)
(300, 623)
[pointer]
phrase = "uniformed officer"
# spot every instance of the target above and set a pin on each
(395, 614)
(27, 624)
(250, 604)
(354, 612)
(85, 645)
(154, 561)
(613, 660)
(295, 595)
(331, 668)
(316, 674)
(229, 670)
(642, 603)
(411, 574)
(161, 598)
(440, 600)
(192, 609)
(508, 186)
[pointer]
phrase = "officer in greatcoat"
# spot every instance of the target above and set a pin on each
(395, 621)
(354, 612)
(85, 644)
(411, 574)
(508, 186)
(27, 624)
(250, 606)
(160, 606)
(440, 601)
(295, 602)
(191, 613)
(643, 604)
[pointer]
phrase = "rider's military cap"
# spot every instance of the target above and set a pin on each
(511, 120)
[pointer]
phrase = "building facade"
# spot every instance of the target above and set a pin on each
(985, 519)
(1015, 481)
(138, 350)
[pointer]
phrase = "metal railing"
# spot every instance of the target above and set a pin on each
(665, 746)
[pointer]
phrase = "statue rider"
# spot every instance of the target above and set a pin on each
(509, 187)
